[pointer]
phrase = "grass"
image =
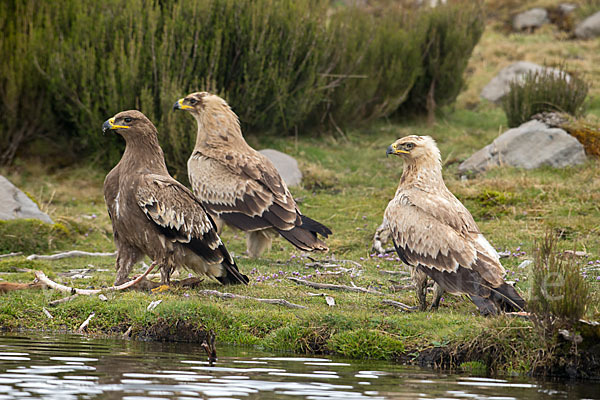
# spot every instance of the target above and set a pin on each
(350, 182)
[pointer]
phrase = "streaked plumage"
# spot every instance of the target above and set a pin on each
(152, 214)
(433, 232)
(238, 185)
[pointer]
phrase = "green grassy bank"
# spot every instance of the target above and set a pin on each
(348, 182)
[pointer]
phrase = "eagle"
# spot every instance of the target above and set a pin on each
(435, 234)
(239, 186)
(152, 214)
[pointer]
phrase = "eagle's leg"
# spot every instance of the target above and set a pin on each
(165, 274)
(438, 292)
(257, 242)
(126, 259)
(419, 279)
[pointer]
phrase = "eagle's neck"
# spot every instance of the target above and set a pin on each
(219, 130)
(144, 154)
(424, 174)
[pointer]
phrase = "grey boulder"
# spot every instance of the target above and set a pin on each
(530, 19)
(14, 204)
(589, 28)
(499, 86)
(286, 165)
(531, 145)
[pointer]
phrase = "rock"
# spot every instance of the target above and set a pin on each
(530, 19)
(531, 145)
(286, 165)
(15, 204)
(499, 86)
(589, 28)
(566, 8)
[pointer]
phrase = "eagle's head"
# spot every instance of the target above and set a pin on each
(130, 124)
(415, 148)
(200, 103)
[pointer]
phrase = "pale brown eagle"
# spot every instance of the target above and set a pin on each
(434, 233)
(238, 185)
(152, 214)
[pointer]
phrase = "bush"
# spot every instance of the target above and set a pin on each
(544, 90)
(283, 66)
(559, 294)
(377, 62)
(449, 34)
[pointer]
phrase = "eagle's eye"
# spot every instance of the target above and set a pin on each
(409, 146)
(193, 101)
(127, 119)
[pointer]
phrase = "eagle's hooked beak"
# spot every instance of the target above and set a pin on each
(109, 124)
(180, 106)
(393, 149)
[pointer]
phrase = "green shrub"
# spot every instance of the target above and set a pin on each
(449, 34)
(377, 62)
(559, 295)
(283, 66)
(541, 91)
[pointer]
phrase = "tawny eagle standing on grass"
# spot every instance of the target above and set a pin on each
(238, 185)
(434, 233)
(152, 214)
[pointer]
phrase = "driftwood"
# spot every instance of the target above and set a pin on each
(333, 287)
(69, 254)
(399, 305)
(11, 254)
(87, 292)
(220, 295)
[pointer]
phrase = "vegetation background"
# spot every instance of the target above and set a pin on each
(329, 84)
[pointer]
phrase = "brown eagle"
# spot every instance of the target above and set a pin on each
(434, 233)
(152, 214)
(238, 185)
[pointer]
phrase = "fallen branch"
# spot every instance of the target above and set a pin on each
(11, 254)
(280, 302)
(69, 254)
(87, 292)
(399, 305)
(334, 287)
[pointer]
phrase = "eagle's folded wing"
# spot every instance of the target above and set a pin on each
(245, 191)
(179, 217)
(422, 239)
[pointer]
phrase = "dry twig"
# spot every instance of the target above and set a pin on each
(87, 292)
(399, 305)
(11, 254)
(69, 254)
(85, 323)
(220, 295)
(334, 287)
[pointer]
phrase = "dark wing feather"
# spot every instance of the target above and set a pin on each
(180, 217)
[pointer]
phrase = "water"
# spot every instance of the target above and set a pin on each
(72, 367)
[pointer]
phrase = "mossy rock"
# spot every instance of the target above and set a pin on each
(31, 235)
(588, 135)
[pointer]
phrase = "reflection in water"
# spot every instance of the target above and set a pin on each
(71, 367)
